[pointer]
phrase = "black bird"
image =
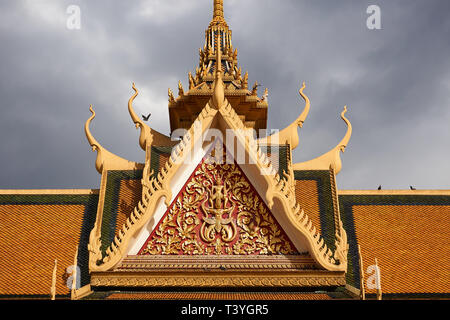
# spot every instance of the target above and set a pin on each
(379, 188)
(412, 188)
(146, 117)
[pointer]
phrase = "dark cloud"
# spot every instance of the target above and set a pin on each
(395, 81)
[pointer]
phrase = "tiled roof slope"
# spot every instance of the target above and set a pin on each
(228, 296)
(34, 231)
(313, 191)
(159, 157)
(278, 156)
(408, 234)
(123, 193)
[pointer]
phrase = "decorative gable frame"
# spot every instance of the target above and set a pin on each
(159, 192)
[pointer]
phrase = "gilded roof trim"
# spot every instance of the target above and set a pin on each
(155, 189)
(105, 159)
(289, 135)
(331, 158)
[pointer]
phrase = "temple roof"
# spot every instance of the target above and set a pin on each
(38, 228)
(407, 234)
(184, 109)
(289, 227)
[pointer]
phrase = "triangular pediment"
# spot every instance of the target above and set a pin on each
(275, 195)
(218, 212)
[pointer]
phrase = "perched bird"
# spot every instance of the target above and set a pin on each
(379, 188)
(146, 117)
(412, 188)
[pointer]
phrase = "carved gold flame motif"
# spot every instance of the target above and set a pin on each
(218, 213)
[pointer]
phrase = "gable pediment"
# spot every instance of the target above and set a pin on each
(218, 212)
(274, 197)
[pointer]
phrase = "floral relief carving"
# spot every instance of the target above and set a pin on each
(218, 212)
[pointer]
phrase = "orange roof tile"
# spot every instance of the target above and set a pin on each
(130, 192)
(307, 195)
(219, 296)
(411, 244)
(32, 237)
(163, 158)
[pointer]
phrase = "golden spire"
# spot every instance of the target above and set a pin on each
(218, 10)
(218, 16)
(219, 89)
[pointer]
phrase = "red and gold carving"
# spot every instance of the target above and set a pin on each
(218, 212)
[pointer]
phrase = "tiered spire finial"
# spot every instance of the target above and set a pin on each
(219, 93)
(218, 16)
(218, 9)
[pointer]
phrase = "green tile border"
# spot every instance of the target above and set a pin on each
(90, 203)
(347, 202)
(111, 203)
(326, 206)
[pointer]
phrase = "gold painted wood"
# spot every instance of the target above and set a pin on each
(278, 193)
(105, 159)
(218, 279)
(288, 262)
(53, 287)
(218, 9)
(331, 158)
(289, 135)
(148, 137)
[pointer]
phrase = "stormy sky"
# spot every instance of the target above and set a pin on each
(395, 82)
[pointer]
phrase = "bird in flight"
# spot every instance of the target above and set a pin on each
(412, 188)
(379, 188)
(146, 117)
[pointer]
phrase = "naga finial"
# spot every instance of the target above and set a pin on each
(171, 96)
(265, 95)
(144, 137)
(191, 81)
(105, 159)
(332, 158)
(348, 135)
(93, 142)
(180, 89)
(305, 112)
(244, 82)
(289, 135)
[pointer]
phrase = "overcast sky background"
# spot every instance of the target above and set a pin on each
(395, 81)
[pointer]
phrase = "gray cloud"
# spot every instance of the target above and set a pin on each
(395, 81)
